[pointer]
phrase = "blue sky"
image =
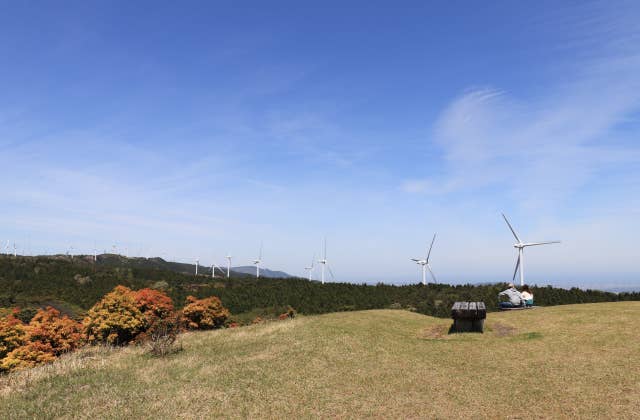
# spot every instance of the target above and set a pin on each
(195, 129)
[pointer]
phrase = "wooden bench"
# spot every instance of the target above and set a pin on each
(468, 316)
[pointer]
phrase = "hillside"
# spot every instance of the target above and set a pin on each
(74, 285)
(577, 361)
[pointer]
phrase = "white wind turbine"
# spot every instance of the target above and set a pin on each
(213, 270)
(325, 263)
(425, 263)
(309, 269)
(521, 246)
(228, 257)
(257, 262)
(197, 263)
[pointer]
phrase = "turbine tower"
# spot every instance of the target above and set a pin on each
(257, 262)
(324, 262)
(521, 246)
(425, 263)
(213, 270)
(228, 257)
(197, 263)
(310, 268)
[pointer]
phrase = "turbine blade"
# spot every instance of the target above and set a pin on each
(432, 275)
(432, 241)
(415, 259)
(541, 243)
(331, 272)
(260, 257)
(325, 248)
(516, 270)
(510, 227)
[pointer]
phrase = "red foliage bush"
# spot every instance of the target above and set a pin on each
(283, 316)
(234, 325)
(61, 333)
(153, 304)
(205, 313)
(257, 320)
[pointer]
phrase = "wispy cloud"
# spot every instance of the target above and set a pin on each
(544, 147)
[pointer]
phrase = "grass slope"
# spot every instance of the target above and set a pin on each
(566, 361)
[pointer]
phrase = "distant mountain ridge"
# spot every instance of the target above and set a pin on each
(116, 260)
(264, 272)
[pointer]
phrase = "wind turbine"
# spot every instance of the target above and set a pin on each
(521, 246)
(197, 263)
(310, 269)
(228, 257)
(324, 262)
(258, 261)
(213, 270)
(425, 263)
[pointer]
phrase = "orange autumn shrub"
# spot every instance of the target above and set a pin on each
(115, 319)
(153, 304)
(158, 312)
(204, 314)
(13, 334)
(283, 316)
(29, 355)
(62, 333)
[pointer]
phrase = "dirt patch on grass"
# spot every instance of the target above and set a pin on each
(435, 332)
(502, 330)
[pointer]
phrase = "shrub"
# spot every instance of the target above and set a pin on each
(160, 285)
(257, 320)
(291, 313)
(63, 334)
(205, 313)
(161, 338)
(27, 356)
(12, 334)
(154, 304)
(115, 319)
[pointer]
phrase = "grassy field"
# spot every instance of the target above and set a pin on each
(561, 362)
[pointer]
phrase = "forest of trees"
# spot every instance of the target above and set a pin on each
(74, 285)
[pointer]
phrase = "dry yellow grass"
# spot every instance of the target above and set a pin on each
(561, 362)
